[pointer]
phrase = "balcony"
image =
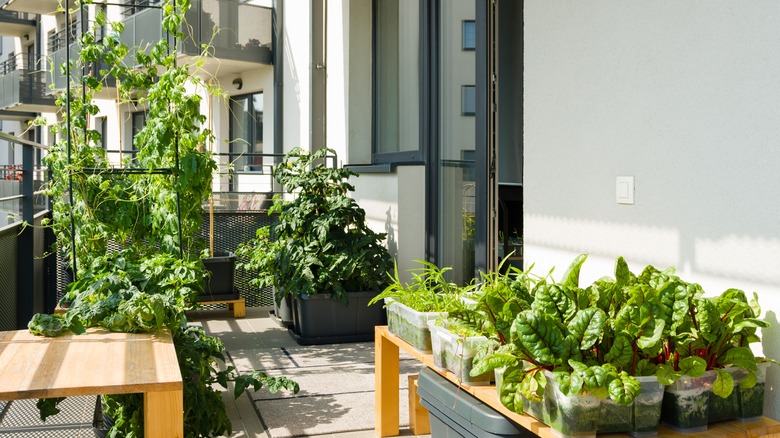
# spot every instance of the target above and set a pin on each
(23, 85)
(17, 24)
(44, 7)
(57, 43)
(243, 40)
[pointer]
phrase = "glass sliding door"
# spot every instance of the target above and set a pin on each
(457, 189)
(246, 132)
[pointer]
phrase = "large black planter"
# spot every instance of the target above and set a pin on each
(282, 313)
(220, 285)
(318, 319)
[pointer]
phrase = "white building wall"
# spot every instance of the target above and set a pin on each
(297, 78)
(683, 96)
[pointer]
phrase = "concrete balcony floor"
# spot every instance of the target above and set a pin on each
(250, 343)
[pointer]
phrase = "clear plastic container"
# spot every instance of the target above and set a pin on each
(411, 325)
(751, 400)
(686, 403)
(456, 354)
(569, 416)
(641, 417)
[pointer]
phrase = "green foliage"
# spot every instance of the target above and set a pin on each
(429, 290)
(151, 207)
(321, 242)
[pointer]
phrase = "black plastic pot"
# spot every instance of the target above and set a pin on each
(318, 319)
(220, 284)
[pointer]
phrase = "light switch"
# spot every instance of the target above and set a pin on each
(624, 190)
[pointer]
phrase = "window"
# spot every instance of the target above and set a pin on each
(101, 128)
(246, 132)
(396, 107)
(468, 100)
(469, 31)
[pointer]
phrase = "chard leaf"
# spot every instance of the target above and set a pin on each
(748, 381)
(624, 389)
(724, 383)
(693, 366)
(540, 336)
(569, 383)
(491, 362)
(667, 375)
(511, 395)
(739, 356)
(555, 300)
(587, 326)
(622, 274)
(571, 349)
(652, 334)
(628, 320)
(571, 277)
(710, 325)
(622, 353)
(645, 368)
(749, 323)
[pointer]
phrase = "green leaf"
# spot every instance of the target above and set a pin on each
(622, 274)
(624, 389)
(693, 366)
(588, 326)
(622, 352)
(724, 383)
(667, 375)
(48, 406)
(540, 336)
(571, 278)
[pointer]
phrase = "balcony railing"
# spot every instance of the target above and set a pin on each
(21, 247)
(57, 39)
(243, 30)
(23, 82)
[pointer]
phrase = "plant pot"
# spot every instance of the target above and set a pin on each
(283, 312)
(411, 325)
(641, 417)
(745, 404)
(751, 400)
(569, 416)
(686, 403)
(456, 354)
(220, 284)
(319, 319)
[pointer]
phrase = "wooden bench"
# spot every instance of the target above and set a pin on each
(97, 362)
(238, 305)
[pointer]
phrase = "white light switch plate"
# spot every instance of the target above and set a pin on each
(624, 190)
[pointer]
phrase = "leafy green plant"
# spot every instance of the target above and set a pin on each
(321, 243)
(428, 291)
(151, 209)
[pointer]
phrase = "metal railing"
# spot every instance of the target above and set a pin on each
(57, 39)
(24, 201)
(23, 81)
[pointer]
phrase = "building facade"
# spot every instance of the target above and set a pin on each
(482, 128)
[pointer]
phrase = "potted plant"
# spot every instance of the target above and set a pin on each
(411, 305)
(320, 252)
(149, 209)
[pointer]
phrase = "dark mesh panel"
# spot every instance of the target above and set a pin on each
(231, 229)
(8, 268)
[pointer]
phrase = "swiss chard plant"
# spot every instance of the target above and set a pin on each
(130, 231)
(321, 242)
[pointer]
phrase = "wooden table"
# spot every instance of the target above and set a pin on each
(97, 362)
(387, 397)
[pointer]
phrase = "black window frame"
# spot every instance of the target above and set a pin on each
(231, 120)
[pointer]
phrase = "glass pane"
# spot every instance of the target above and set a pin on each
(240, 132)
(457, 142)
(257, 140)
(398, 76)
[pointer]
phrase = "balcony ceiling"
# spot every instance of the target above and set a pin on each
(45, 7)
(220, 67)
(29, 108)
(17, 28)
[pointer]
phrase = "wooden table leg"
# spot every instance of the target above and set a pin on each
(164, 414)
(386, 394)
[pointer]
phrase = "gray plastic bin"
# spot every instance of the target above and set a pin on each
(456, 413)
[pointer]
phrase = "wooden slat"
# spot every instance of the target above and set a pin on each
(164, 414)
(764, 427)
(386, 396)
(98, 362)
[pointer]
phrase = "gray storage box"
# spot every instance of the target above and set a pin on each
(456, 413)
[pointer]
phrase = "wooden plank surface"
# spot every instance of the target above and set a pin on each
(386, 395)
(98, 362)
(765, 427)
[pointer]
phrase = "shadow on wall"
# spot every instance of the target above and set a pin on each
(392, 243)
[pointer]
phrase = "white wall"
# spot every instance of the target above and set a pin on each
(395, 204)
(297, 80)
(685, 97)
